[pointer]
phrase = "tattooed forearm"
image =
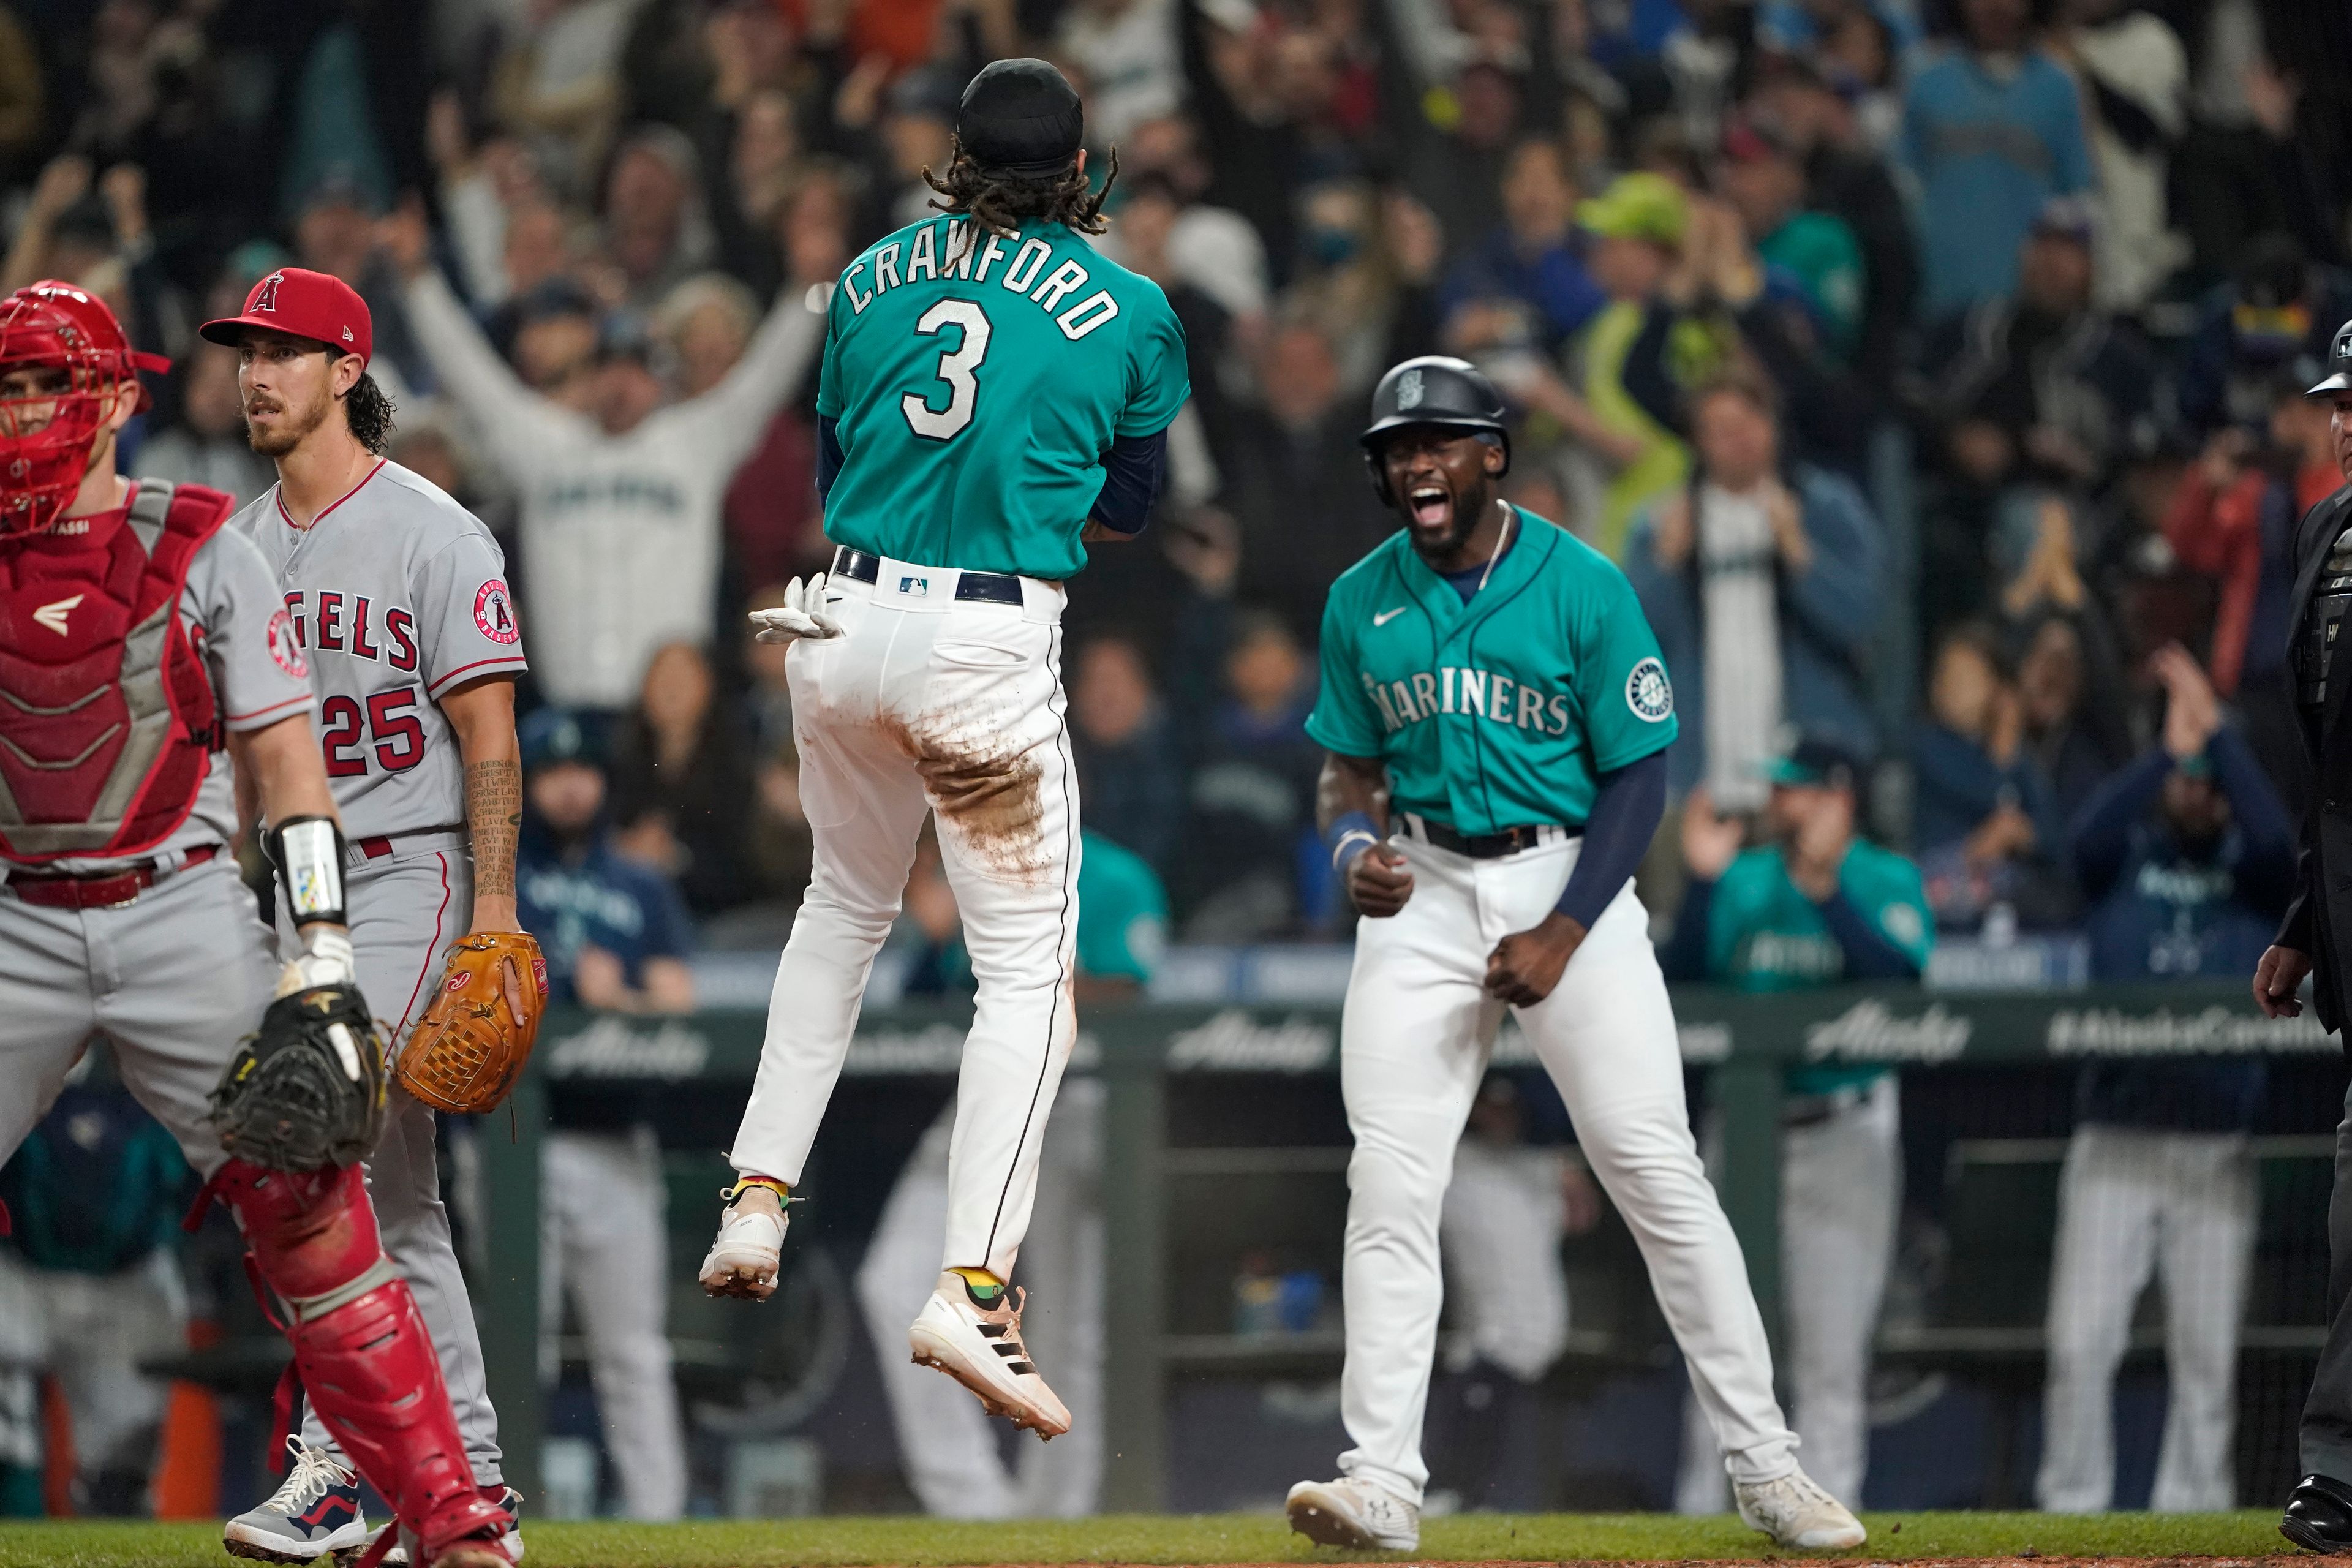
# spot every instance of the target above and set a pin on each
(494, 818)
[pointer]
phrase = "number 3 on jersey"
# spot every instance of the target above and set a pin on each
(956, 367)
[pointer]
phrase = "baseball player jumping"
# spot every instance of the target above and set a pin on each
(138, 638)
(399, 604)
(991, 391)
(1496, 717)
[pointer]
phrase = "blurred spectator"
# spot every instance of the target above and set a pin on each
(2072, 708)
(560, 78)
(90, 1288)
(2276, 307)
(1762, 174)
(917, 125)
(705, 324)
(1764, 582)
(2234, 519)
(1127, 50)
(2187, 858)
(2245, 169)
(1129, 772)
(657, 233)
(1848, 176)
(1458, 167)
(682, 782)
(2045, 387)
(1992, 129)
(1815, 905)
(204, 444)
(1297, 483)
(1250, 773)
(1214, 249)
(775, 525)
(2135, 79)
(616, 938)
(1983, 823)
(620, 511)
(1534, 257)
(1637, 226)
(1365, 276)
(1506, 1213)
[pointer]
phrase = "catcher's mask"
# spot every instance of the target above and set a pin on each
(49, 420)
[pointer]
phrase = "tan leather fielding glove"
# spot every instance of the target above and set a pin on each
(467, 1050)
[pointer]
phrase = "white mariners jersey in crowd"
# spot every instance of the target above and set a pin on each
(619, 534)
(398, 596)
(230, 607)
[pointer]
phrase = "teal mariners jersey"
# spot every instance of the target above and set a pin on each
(978, 383)
(1122, 912)
(1122, 918)
(1504, 711)
(1765, 934)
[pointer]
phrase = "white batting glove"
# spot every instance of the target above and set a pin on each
(326, 960)
(802, 615)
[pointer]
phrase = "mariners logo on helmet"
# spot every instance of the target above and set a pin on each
(1648, 692)
(1408, 390)
(2343, 349)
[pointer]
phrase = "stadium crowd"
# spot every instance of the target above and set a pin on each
(1934, 368)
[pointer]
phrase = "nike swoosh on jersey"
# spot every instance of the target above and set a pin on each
(1385, 617)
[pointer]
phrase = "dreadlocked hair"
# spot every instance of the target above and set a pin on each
(368, 412)
(999, 204)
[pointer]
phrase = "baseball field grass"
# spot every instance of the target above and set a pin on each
(2022, 1540)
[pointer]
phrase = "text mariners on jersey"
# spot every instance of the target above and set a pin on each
(1454, 689)
(957, 256)
(353, 624)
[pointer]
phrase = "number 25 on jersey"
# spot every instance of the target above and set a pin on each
(956, 368)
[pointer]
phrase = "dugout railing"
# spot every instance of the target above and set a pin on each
(1241, 1097)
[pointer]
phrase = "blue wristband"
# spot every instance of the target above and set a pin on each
(1353, 826)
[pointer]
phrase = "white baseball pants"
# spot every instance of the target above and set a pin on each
(946, 1441)
(931, 705)
(406, 910)
(1841, 1195)
(605, 1239)
(1413, 1044)
(2132, 1201)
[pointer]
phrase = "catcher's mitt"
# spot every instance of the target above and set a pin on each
(467, 1050)
(306, 1090)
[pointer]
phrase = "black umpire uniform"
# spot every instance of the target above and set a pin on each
(2319, 924)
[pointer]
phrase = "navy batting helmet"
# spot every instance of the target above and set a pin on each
(1433, 390)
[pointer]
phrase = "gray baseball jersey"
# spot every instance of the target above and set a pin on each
(231, 609)
(398, 596)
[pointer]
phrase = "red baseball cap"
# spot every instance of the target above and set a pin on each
(307, 304)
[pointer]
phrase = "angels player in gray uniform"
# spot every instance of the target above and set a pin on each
(399, 603)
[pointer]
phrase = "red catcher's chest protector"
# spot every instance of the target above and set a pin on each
(108, 720)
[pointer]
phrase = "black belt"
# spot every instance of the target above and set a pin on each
(1487, 846)
(971, 587)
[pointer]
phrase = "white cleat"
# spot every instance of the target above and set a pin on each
(1353, 1513)
(745, 1254)
(1794, 1510)
(980, 1346)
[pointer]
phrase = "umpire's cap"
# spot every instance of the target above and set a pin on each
(1020, 120)
(2339, 364)
(1433, 390)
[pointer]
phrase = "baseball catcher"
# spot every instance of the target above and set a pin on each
(145, 652)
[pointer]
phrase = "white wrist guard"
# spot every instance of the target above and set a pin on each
(309, 854)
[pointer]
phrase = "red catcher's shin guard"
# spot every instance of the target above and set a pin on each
(367, 1363)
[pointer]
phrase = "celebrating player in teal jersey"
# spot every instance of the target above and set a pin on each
(993, 394)
(1496, 717)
